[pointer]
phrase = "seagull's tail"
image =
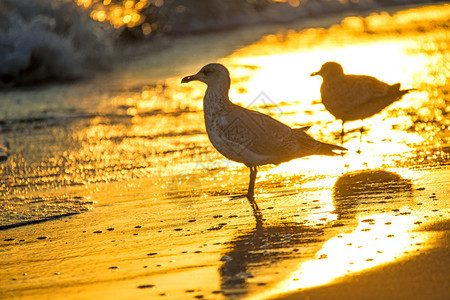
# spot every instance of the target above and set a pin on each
(329, 149)
(311, 146)
(404, 92)
(396, 91)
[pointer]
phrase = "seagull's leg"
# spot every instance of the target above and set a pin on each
(251, 185)
(251, 199)
(361, 130)
(342, 133)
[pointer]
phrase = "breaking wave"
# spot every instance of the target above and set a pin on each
(48, 40)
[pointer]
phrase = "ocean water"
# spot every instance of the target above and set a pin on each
(45, 41)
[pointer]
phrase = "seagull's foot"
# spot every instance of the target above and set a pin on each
(362, 130)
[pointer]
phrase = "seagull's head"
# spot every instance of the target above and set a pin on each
(214, 75)
(330, 70)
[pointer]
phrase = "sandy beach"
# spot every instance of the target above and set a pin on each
(112, 190)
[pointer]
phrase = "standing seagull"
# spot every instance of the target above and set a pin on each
(247, 136)
(354, 97)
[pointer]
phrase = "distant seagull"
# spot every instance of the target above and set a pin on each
(247, 136)
(354, 97)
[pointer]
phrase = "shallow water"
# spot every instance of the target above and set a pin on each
(129, 150)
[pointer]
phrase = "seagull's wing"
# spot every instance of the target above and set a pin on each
(353, 97)
(356, 90)
(366, 87)
(259, 133)
(352, 92)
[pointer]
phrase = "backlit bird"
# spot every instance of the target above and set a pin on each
(354, 97)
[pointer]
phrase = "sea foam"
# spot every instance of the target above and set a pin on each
(48, 40)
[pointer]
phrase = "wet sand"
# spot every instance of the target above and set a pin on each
(139, 246)
(421, 276)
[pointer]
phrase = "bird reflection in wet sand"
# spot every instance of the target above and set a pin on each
(247, 136)
(368, 190)
(354, 97)
(255, 251)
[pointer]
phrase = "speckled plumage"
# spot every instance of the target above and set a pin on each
(247, 136)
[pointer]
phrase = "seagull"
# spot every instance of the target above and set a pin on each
(354, 97)
(248, 136)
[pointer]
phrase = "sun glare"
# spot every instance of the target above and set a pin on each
(370, 244)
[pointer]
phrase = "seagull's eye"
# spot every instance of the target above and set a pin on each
(207, 72)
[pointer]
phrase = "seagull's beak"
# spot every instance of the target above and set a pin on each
(188, 79)
(315, 73)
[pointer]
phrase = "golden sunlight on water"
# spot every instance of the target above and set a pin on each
(279, 66)
(164, 121)
(126, 13)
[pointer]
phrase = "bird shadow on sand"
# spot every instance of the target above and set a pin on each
(253, 251)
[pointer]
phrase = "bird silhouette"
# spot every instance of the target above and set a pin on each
(354, 97)
(248, 136)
